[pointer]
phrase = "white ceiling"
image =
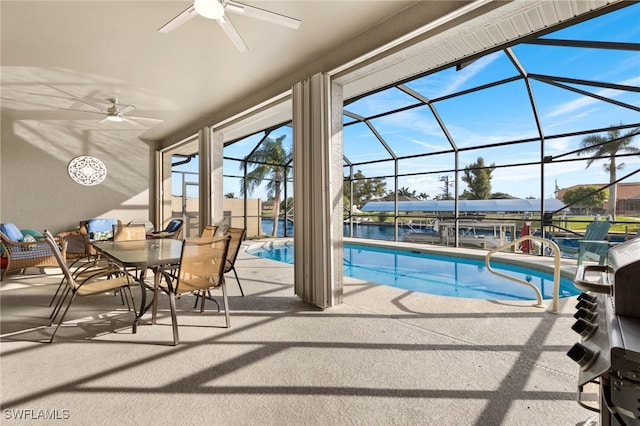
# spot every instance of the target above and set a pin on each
(194, 75)
(101, 49)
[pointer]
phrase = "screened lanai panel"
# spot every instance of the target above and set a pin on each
(380, 102)
(232, 168)
(348, 120)
(627, 98)
(497, 114)
(237, 152)
(572, 148)
(485, 70)
(563, 111)
(424, 186)
(287, 132)
(233, 172)
(594, 64)
(525, 152)
(525, 178)
(569, 159)
(412, 132)
(438, 163)
(374, 170)
(562, 174)
(232, 187)
(360, 144)
(241, 148)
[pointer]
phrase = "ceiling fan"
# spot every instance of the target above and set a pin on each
(115, 112)
(216, 9)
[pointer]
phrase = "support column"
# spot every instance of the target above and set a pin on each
(217, 195)
(210, 177)
(317, 189)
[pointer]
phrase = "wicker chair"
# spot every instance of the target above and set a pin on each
(201, 269)
(25, 254)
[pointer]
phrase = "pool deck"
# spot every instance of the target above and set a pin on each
(385, 356)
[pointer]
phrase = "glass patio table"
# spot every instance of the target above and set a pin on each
(141, 255)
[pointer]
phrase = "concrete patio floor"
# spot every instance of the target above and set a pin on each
(386, 356)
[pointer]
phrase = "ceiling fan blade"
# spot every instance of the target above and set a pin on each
(183, 17)
(73, 99)
(129, 120)
(264, 15)
(126, 108)
(137, 117)
(232, 33)
(82, 110)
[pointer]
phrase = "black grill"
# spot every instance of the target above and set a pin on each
(608, 321)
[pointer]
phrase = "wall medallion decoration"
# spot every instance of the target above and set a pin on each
(87, 170)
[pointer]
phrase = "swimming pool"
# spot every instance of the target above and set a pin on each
(433, 273)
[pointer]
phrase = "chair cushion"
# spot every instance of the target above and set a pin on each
(28, 238)
(100, 229)
(30, 232)
(11, 231)
(173, 226)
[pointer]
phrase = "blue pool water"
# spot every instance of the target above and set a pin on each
(435, 274)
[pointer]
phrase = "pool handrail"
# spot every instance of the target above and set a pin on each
(556, 269)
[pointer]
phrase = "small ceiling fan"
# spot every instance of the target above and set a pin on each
(115, 112)
(216, 9)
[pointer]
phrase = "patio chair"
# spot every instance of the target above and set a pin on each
(173, 230)
(594, 245)
(91, 230)
(101, 282)
(209, 231)
(237, 236)
(201, 269)
(123, 232)
(136, 232)
(95, 230)
(24, 252)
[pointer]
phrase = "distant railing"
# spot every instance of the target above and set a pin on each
(556, 268)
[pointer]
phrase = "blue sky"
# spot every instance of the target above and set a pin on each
(500, 114)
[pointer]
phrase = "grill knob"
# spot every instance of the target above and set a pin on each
(588, 297)
(584, 328)
(582, 355)
(586, 315)
(587, 305)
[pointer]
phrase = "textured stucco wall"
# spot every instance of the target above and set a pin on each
(36, 191)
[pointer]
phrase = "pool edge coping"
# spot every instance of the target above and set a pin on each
(568, 267)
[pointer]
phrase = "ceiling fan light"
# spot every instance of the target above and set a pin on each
(211, 9)
(116, 118)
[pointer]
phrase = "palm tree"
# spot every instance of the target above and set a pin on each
(406, 192)
(609, 147)
(272, 162)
